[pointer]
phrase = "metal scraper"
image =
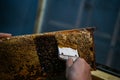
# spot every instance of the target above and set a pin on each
(65, 53)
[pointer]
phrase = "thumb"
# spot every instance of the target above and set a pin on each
(69, 62)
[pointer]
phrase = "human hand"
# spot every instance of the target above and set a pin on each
(78, 70)
(3, 35)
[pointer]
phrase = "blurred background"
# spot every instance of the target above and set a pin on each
(21, 17)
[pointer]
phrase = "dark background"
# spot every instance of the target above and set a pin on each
(18, 16)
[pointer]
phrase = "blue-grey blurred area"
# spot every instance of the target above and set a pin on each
(102, 14)
(18, 16)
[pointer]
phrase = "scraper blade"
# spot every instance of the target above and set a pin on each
(65, 53)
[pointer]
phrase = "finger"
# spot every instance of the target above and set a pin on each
(2, 35)
(69, 62)
(83, 61)
(78, 60)
(77, 63)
